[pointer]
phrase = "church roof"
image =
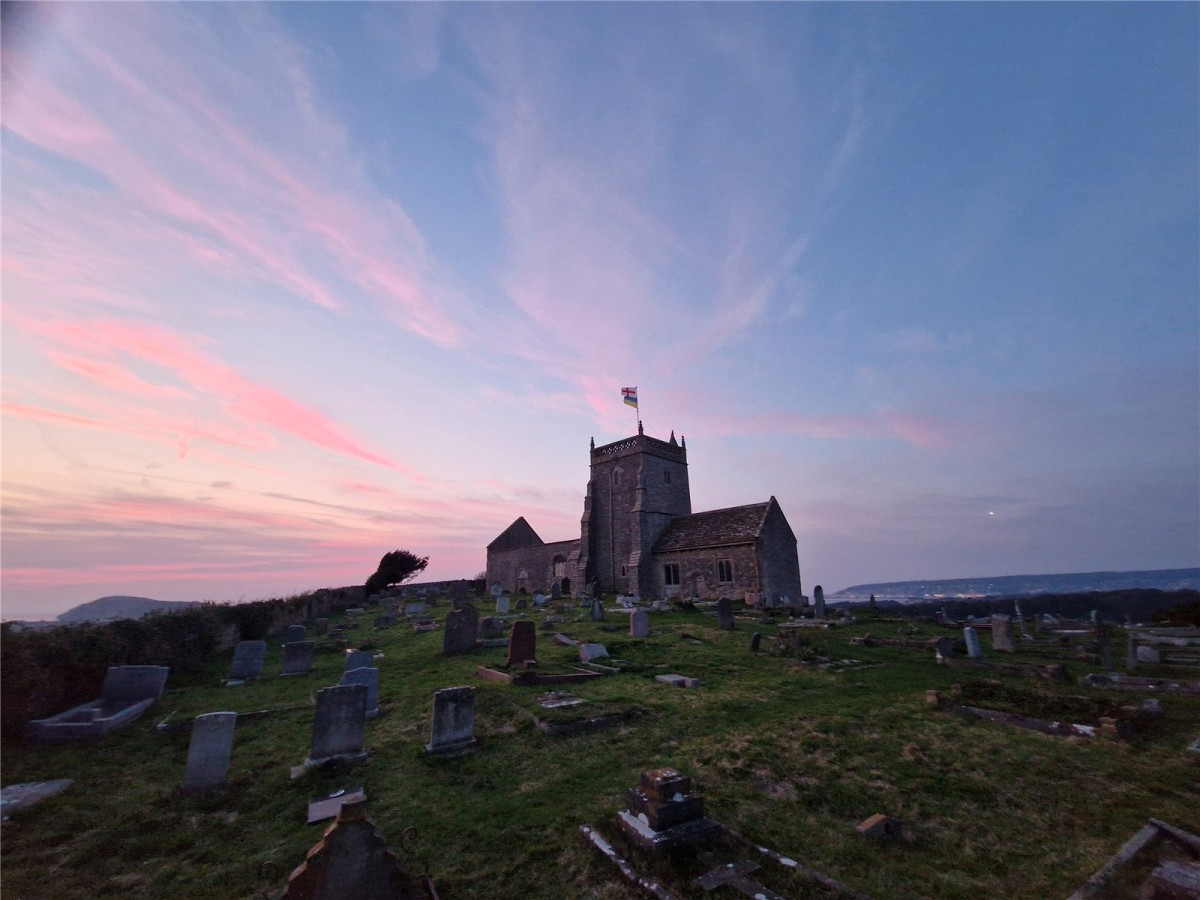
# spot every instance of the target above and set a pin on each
(715, 528)
(519, 534)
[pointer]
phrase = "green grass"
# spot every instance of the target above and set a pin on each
(791, 756)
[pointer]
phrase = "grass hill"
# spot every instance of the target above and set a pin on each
(118, 606)
(791, 755)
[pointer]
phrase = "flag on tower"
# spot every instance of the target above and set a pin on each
(630, 396)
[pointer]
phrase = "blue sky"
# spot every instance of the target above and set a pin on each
(288, 286)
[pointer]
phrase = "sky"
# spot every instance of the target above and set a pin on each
(288, 286)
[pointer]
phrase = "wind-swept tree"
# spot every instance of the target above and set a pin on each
(395, 567)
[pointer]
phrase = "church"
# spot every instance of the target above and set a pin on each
(639, 536)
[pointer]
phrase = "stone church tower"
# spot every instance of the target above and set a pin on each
(638, 485)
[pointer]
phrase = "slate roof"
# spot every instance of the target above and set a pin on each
(715, 528)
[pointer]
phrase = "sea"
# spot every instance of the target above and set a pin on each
(1020, 585)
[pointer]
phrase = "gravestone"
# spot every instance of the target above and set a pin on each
(1002, 636)
(294, 634)
(971, 636)
(818, 602)
(322, 627)
(1102, 648)
(490, 628)
(354, 611)
(461, 625)
(664, 814)
(248, 657)
(539, 600)
(639, 624)
(597, 610)
(369, 677)
(1147, 654)
(359, 659)
(208, 753)
(352, 860)
(944, 648)
(522, 644)
(414, 609)
(588, 652)
(298, 658)
(555, 592)
(339, 724)
(453, 730)
(755, 641)
(502, 605)
(522, 604)
(497, 590)
(725, 614)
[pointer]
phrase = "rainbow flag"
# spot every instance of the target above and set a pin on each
(630, 396)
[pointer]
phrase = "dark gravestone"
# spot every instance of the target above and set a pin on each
(555, 592)
(490, 628)
(522, 604)
(208, 753)
(248, 657)
(725, 614)
(339, 725)
(298, 658)
(294, 634)
(522, 644)
(755, 642)
(818, 602)
(359, 659)
(369, 677)
(944, 648)
(352, 860)
(453, 729)
(322, 627)
(461, 626)
(1102, 646)
(597, 610)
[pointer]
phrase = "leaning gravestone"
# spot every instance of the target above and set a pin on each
(339, 725)
(208, 753)
(369, 677)
(294, 634)
(490, 628)
(1002, 636)
(725, 614)
(818, 602)
(453, 729)
(248, 657)
(971, 636)
(298, 658)
(639, 624)
(588, 652)
(597, 610)
(522, 644)
(461, 626)
(359, 659)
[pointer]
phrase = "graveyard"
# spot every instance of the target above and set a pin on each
(877, 757)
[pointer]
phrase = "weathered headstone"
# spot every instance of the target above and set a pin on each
(1002, 636)
(1148, 654)
(539, 600)
(502, 605)
(248, 657)
(359, 659)
(597, 610)
(322, 627)
(497, 590)
(639, 624)
(588, 652)
(453, 730)
(298, 657)
(818, 602)
(490, 628)
(461, 626)
(556, 592)
(369, 677)
(414, 609)
(755, 641)
(522, 644)
(294, 634)
(725, 614)
(971, 636)
(352, 860)
(664, 814)
(339, 726)
(522, 604)
(209, 751)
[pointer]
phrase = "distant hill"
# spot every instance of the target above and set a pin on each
(1024, 585)
(120, 607)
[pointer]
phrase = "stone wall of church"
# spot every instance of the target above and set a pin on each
(700, 572)
(532, 567)
(778, 560)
